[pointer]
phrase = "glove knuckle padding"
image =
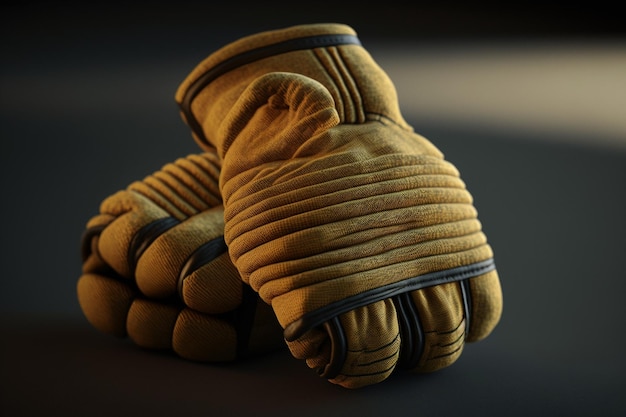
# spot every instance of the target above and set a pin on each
(156, 268)
(361, 236)
(189, 333)
(105, 302)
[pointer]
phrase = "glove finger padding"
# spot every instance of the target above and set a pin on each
(359, 233)
(156, 269)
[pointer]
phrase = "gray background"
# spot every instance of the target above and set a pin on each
(527, 103)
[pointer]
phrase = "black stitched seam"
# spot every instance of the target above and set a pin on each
(339, 347)
(316, 317)
(437, 332)
(446, 354)
(204, 254)
(454, 342)
(87, 237)
(413, 340)
(379, 360)
(144, 238)
(250, 56)
(371, 373)
(466, 293)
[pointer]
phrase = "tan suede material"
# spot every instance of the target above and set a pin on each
(137, 292)
(340, 78)
(328, 194)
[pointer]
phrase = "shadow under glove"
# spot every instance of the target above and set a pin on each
(356, 230)
(156, 269)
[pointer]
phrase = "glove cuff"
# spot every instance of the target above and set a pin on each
(328, 53)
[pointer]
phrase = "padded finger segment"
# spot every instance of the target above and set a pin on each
(203, 337)
(486, 309)
(214, 286)
(161, 259)
(156, 269)
(443, 320)
(105, 302)
(150, 324)
(103, 295)
(147, 208)
(192, 335)
(372, 348)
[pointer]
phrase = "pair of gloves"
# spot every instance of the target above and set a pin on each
(313, 217)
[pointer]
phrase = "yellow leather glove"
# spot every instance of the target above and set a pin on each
(355, 229)
(156, 269)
